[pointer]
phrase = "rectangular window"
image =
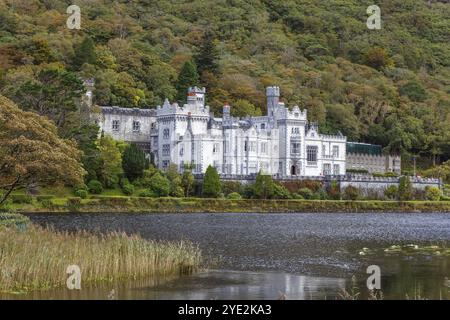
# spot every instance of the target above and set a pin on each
(166, 133)
(166, 150)
(115, 125)
(253, 146)
(165, 164)
(336, 170)
(295, 147)
(311, 153)
(246, 146)
(136, 126)
(264, 147)
(326, 169)
(336, 151)
(215, 148)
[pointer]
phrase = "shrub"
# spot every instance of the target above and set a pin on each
(306, 193)
(351, 193)
(232, 186)
(211, 183)
(128, 189)
(146, 194)
(280, 192)
(234, 196)
(81, 193)
(297, 196)
(433, 193)
(391, 192)
(445, 198)
(248, 191)
(95, 187)
(159, 185)
(21, 198)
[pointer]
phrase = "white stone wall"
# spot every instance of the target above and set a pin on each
(275, 144)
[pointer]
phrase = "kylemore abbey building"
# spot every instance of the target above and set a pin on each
(282, 143)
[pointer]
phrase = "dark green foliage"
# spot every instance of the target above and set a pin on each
(405, 191)
(81, 193)
(51, 92)
(414, 91)
(231, 186)
(133, 162)
(86, 138)
(280, 192)
(208, 55)
(211, 183)
(188, 77)
(95, 187)
(264, 186)
(128, 189)
(84, 53)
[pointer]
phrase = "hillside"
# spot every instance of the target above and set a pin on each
(388, 86)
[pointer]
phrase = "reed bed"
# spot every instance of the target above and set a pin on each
(38, 257)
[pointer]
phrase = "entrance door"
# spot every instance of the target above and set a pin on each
(293, 170)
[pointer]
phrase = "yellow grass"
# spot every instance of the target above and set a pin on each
(38, 258)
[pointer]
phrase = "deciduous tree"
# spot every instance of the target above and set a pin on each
(32, 153)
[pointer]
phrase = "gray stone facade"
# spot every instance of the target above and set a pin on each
(374, 163)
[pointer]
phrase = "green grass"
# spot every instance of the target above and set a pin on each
(104, 203)
(37, 258)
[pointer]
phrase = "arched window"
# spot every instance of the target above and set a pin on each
(166, 133)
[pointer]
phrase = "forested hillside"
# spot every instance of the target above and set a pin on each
(388, 86)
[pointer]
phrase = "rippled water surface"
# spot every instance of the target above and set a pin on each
(264, 256)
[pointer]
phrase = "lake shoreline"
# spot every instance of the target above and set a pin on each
(106, 204)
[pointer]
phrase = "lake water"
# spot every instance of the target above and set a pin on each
(297, 256)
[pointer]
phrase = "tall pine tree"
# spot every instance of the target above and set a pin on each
(84, 53)
(208, 55)
(133, 162)
(188, 77)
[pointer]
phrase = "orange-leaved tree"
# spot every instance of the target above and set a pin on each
(32, 153)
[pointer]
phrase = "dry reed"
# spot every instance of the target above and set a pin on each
(37, 258)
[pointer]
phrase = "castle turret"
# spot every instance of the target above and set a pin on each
(196, 96)
(273, 100)
(226, 111)
(86, 101)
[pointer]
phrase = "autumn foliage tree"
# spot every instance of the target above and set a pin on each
(31, 152)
